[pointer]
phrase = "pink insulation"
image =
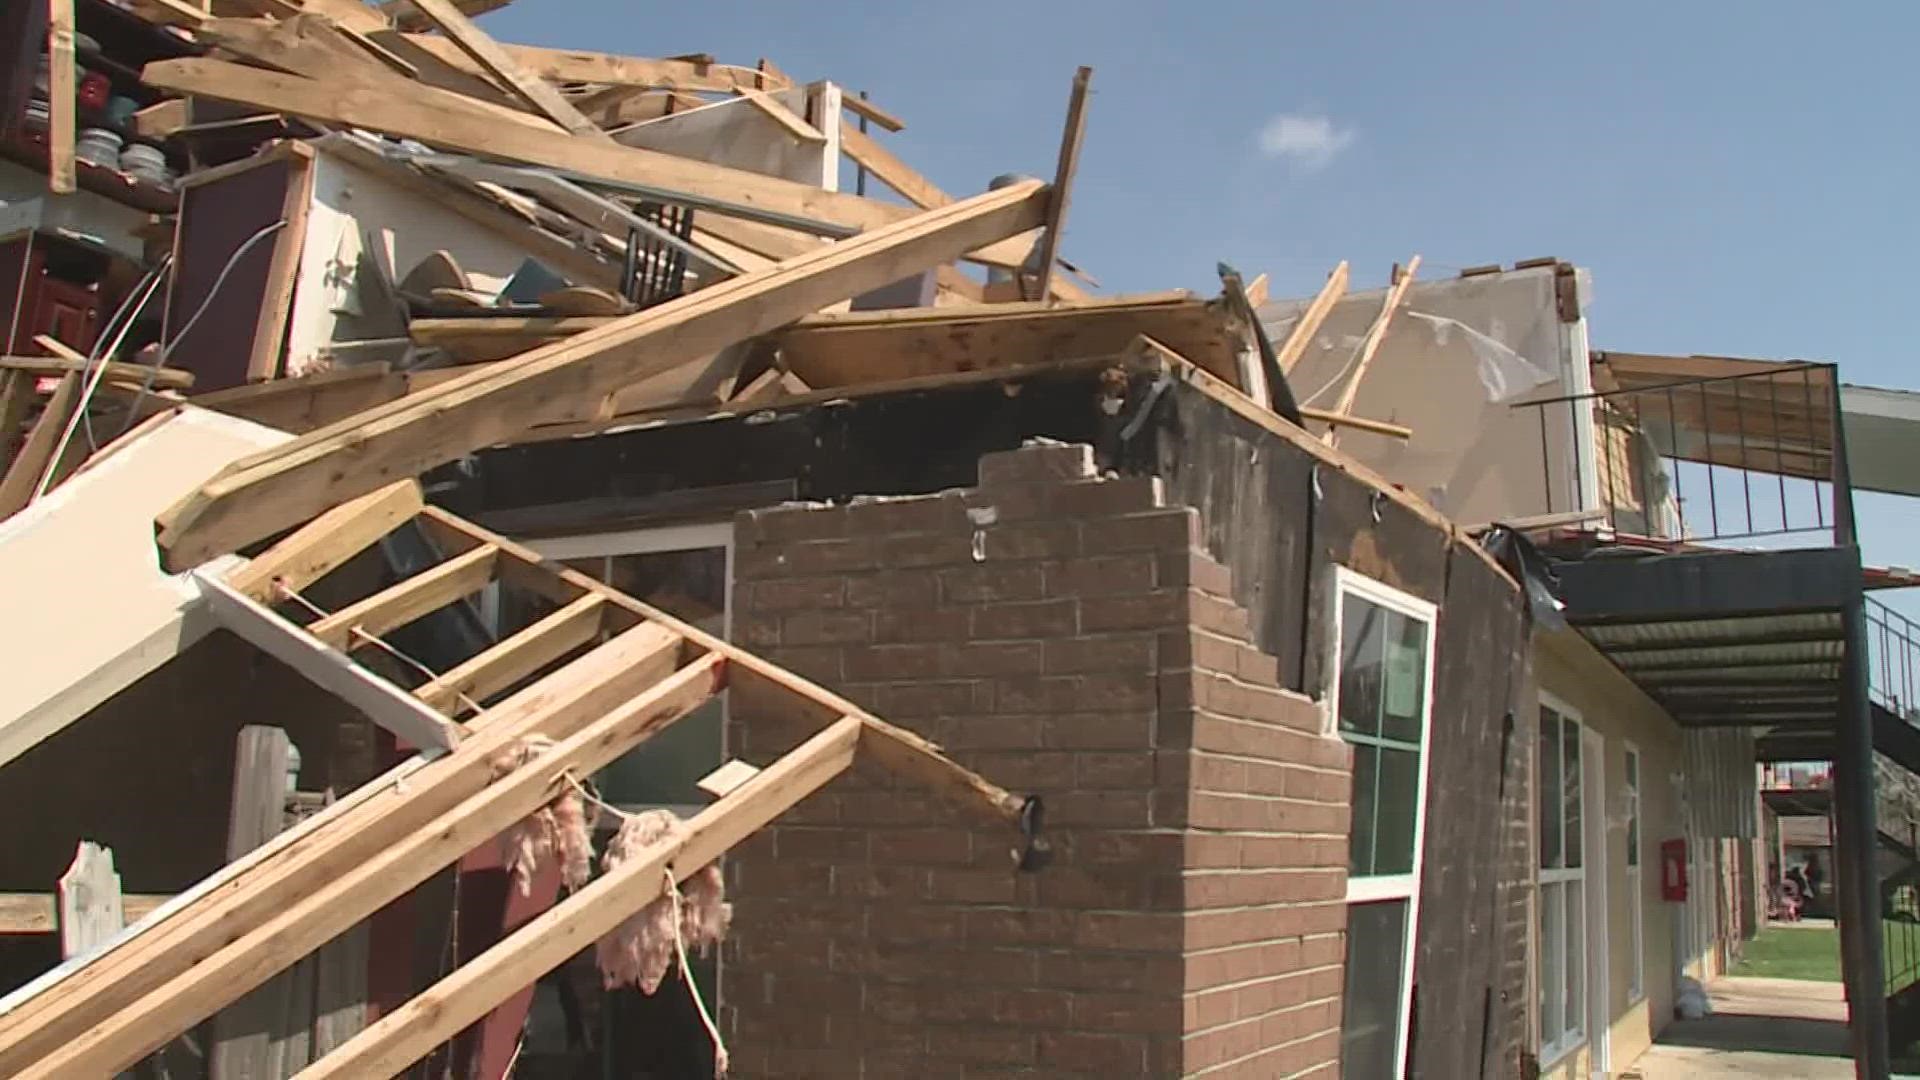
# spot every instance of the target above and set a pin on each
(561, 829)
(640, 950)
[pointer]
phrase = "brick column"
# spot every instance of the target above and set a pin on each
(1058, 632)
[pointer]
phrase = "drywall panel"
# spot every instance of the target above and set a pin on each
(741, 135)
(1455, 357)
(350, 202)
(88, 608)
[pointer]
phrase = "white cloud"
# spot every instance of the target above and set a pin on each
(1307, 141)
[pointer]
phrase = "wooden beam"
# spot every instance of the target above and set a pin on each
(1070, 141)
(329, 668)
(37, 913)
(160, 378)
(406, 799)
(865, 107)
(22, 481)
(1146, 348)
(515, 658)
(61, 100)
(604, 69)
(408, 1033)
(443, 119)
(263, 493)
(306, 402)
(490, 56)
(869, 154)
(1308, 324)
(1376, 334)
(332, 905)
(169, 13)
(406, 601)
(327, 542)
(783, 116)
(161, 119)
(17, 396)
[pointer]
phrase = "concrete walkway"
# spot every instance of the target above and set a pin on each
(1759, 1028)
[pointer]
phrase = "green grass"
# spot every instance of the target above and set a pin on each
(1782, 952)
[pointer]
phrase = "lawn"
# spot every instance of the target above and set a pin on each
(1786, 952)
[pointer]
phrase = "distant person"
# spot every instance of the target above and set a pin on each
(1813, 876)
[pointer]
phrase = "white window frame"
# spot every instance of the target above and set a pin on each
(1634, 780)
(1567, 879)
(1405, 886)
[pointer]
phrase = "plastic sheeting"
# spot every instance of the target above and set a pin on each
(1455, 357)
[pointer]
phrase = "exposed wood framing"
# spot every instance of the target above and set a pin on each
(1377, 333)
(61, 102)
(327, 542)
(1291, 350)
(427, 114)
(37, 913)
(785, 117)
(1147, 348)
(569, 65)
(269, 492)
(308, 401)
(161, 378)
(868, 153)
(515, 658)
(1062, 183)
(409, 600)
(407, 1034)
(487, 52)
(22, 481)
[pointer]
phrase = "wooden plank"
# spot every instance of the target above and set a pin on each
(329, 668)
(1291, 350)
(265, 493)
(864, 106)
(408, 600)
(1063, 171)
(270, 331)
(407, 798)
(869, 154)
(22, 481)
(783, 116)
(437, 117)
(90, 905)
(254, 1036)
(16, 401)
(161, 378)
(722, 781)
(161, 119)
(306, 402)
(330, 906)
(408, 1033)
(38, 913)
(326, 542)
(515, 658)
(1147, 349)
(487, 52)
(1376, 334)
(61, 96)
(169, 12)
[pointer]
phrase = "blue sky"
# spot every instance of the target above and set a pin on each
(1738, 177)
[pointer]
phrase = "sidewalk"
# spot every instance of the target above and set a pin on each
(1759, 1028)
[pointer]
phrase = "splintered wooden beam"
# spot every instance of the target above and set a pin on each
(22, 482)
(326, 542)
(489, 55)
(410, 1032)
(1309, 322)
(61, 103)
(331, 906)
(409, 600)
(73, 1014)
(446, 119)
(780, 114)
(515, 658)
(267, 492)
(1070, 141)
(604, 69)
(329, 668)
(1376, 334)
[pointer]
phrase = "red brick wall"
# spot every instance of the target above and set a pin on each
(1060, 633)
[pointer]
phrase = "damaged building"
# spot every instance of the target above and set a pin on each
(554, 564)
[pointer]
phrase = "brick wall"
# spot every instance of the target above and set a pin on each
(1060, 633)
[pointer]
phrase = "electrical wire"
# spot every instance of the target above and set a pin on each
(92, 371)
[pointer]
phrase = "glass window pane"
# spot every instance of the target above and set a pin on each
(1576, 1013)
(1548, 759)
(1375, 999)
(1361, 646)
(1633, 809)
(1398, 807)
(1404, 667)
(1570, 783)
(1552, 963)
(1360, 842)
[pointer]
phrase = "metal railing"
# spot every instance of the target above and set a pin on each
(1731, 458)
(1893, 660)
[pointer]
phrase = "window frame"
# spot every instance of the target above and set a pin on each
(1633, 781)
(1566, 879)
(1389, 887)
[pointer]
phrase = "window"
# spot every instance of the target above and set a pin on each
(1562, 917)
(1382, 694)
(1636, 897)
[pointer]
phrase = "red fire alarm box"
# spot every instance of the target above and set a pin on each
(1673, 870)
